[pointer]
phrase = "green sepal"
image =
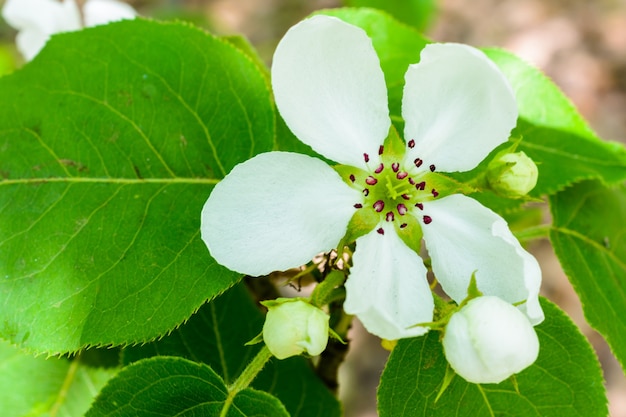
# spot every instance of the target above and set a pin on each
(447, 379)
(255, 340)
(345, 171)
(325, 291)
(394, 147)
(361, 223)
(412, 234)
(447, 185)
(336, 336)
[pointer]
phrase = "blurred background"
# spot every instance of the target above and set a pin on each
(579, 44)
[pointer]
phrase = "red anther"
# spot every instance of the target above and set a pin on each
(403, 225)
(381, 149)
(358, 205)
(418, 162)
(366, 157)
(352, 177)
(395, 166)
(379, 206)
(379, 169)
(389, 216)
(366, 192)
(380, 231)
(371, 180)
(411, 144)
(434, 193)
(402, 175)
(432, 168)
(427, 219)
(411, 181)
(406, 196)
(419, 206)
(421, 185)
(402, 209)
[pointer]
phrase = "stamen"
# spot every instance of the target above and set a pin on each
(419, 206)
(406, 196)
(427, 219)
(389, 216)
(418, 162)
(420, 186)
(432, 168)
(402, 175)
(366, 192)
(434, 193)
(411, 144)
(380, 231)
(402, 209)
(403, 225)
(371, 180)
(411, 181)
(379, 206)
(379, 169)
(381, 149)
(395, 166)
(352, 177)
(358, 205)
(366, 157)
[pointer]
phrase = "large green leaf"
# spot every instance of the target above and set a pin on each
(110, 142)
(33, 387)
(589, 238)
(566, 379)
(216, 335)
(169, 386)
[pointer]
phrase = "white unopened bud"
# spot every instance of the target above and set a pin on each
(489, 340)
(512, 174)
(293, 327)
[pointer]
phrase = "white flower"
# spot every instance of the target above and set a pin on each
(294, 326)
(278, 210)
(37, 20)
(489, 340)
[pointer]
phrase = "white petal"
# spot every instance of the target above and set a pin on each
(276, 211)
(330, 89)
(101, 12)
(457, 106)
(36, 20)
(463, 237)
(387, 287)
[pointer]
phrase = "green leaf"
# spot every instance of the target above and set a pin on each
(32, 386)
(111, 140)
(216, 335)
(417, 13)
(588, 235)
(169, 386)
(566, 379)
(554, 134)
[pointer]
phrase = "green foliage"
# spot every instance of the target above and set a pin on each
(564, 381)
(589, 238)
(110, 143)
(169, 386)
(216, 335)
(416, 13)
(32, 386)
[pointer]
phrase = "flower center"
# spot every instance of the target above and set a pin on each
(393, 192)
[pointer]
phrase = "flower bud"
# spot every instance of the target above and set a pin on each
(488, 340)
(512, 174)
(293, 326)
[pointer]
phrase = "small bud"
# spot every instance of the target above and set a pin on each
(294, 326)
(512, 174)
(489, 340)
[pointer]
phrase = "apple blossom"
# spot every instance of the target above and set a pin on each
(37, 20)
(488, 340)
(278, 210)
